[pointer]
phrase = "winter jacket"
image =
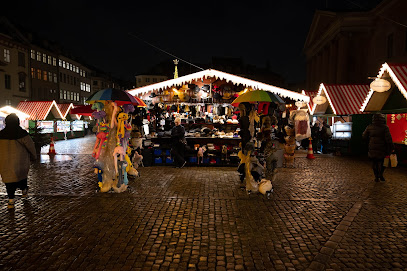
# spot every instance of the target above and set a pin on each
(378, 134)
(16, 150)
(178, 134)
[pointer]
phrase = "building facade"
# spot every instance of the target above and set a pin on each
(74, 81)
(350, 47)
(14, 66)
(43, 74)
(144, 80)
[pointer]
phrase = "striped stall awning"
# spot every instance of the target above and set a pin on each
(345, 99)
(39, 110)
(64, 108)
(311, 95)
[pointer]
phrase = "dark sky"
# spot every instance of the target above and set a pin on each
(98, 31)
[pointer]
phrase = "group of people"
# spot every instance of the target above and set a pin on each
(321, 136)
(17, 150)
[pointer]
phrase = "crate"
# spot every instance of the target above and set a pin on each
(169, 160)
(167, 152)
(193, 159)
(158, 160)
(157, 152)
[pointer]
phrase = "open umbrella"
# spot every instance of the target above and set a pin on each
(257, 96)
(119, 96)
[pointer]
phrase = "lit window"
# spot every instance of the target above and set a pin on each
(32, 73)
(7, 81)
(8, 102)
(77, 70)
(39, 76)
(70, 67)
(72, 96)
(54, 61)
(60, 63)
(38, 56)
(63, 64)
(45, 76)
(84, 74)
(49, 60)
(44, 58)
(61, 94)
(87, 87)
(65, 93)
(32, 54)
(50, 76)
(7, 55)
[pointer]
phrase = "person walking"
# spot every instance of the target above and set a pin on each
(380, 144)
(178, 143)
(16, 150)
(326, 135)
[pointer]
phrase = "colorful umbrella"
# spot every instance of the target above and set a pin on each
(257, 96)
(119, 96)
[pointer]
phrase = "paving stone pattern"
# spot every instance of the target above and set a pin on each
(324, 214)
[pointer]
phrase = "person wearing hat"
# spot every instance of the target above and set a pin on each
(380, 144)
(178, 143)
(16, 150)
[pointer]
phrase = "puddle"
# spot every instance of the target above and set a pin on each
(45, 158)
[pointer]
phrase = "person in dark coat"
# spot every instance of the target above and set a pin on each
(326, 136)
(17, 150)
(316, 138)
(380, 144)
(178, 143)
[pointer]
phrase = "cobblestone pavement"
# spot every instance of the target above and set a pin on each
(324, 214)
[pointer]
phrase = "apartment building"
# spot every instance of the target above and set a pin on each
(144, 80)
(43, 74)
(74, 81)
(14, 79)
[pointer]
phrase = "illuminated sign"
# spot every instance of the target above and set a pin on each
(380, 85)
(319, 100)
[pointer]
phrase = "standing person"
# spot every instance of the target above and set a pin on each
(380, 144)
(316, 137)
(178, 143)
(16, 150)
(326, 135)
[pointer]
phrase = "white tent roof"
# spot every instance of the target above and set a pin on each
(221, 76)
(6, 110)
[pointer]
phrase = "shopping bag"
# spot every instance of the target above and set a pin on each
(393, 160)
(386, 161)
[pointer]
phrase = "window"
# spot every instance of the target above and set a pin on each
(50, 76)
(32, 54)
(74, 80)
(95, 83)
(84, 74)
(45, 77)
(63, 64)
(139, 80)
(147, 80)
(49, 60)
(70, 67)
(55, 78)
(87, 87)
(390, 46)
(77, 70)
(7, 81)
(21, 81)
(54, 61)
(154, 80)
(32, 73)
(39, 74)
(21, 59)
(64, 78)
(65, 94)
(72, 96)
(8, 102)
(60, 76)
(7, 55)
(60, 63)
(44, 58)
(38, 56)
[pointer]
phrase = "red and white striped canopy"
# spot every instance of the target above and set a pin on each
(64, 109)
(39, 110)
(398, 73)
(344, 99)
(311, 95)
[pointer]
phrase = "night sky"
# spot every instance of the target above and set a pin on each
(98, 31)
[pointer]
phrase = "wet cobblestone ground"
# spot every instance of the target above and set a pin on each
(324, 214)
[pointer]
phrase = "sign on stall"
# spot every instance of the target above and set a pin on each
(380, 85)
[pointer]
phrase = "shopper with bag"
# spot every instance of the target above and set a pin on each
(380, 144)
(16, 150)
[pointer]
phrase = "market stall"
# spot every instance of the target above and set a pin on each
(388, 95)
(339, 106)
(6, 110)
(203, 102)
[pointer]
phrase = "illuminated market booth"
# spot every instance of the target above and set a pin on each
(53, 118)
(388, 95)
(202, 101)
(339, 106)
(6, 110)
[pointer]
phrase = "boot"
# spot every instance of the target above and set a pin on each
(381, 173)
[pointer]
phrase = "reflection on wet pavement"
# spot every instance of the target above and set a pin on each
(45, 158)
(83, 145)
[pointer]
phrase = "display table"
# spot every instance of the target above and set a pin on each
(161, 151)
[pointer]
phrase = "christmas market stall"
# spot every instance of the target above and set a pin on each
(202, 101)
(339, 106)
(113, 131)
(388, 95)
(6, 110)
